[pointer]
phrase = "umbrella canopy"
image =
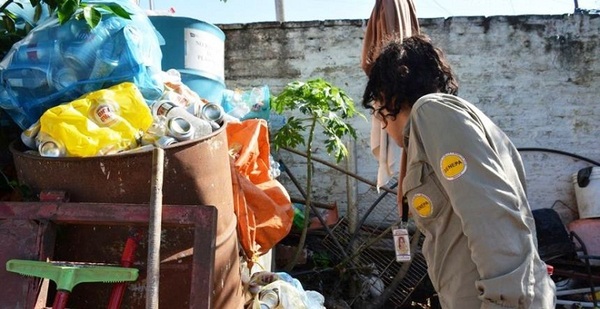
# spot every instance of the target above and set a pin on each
(388, 18)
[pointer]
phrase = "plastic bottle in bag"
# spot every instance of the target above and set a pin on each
(80, 54)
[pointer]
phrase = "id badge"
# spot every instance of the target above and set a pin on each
(402, 244)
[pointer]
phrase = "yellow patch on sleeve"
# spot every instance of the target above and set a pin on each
(453, 165)
(422, 204)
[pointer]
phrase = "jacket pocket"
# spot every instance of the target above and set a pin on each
(423, 192)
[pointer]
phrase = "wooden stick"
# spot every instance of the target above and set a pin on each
(154, 229)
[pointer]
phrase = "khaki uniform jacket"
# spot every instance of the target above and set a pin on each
(465, 184)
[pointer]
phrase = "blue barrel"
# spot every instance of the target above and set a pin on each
(197, 50)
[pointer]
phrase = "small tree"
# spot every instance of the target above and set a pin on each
(325, 106)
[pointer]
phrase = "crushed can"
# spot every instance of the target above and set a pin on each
(180, 129)
(49, 147)
(213, 113)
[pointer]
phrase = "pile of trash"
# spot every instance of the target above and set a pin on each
(78, 91)
(117, 119)
(279, 290)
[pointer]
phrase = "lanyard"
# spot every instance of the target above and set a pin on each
(404, 210)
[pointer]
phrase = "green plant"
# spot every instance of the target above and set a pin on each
(322, 105)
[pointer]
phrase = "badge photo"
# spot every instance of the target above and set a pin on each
(401, 244)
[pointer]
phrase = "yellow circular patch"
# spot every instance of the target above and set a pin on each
(422, 204)
(453, 165)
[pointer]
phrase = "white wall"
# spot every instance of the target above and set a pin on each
(536, 76)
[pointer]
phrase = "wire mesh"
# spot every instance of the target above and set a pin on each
(372, 255)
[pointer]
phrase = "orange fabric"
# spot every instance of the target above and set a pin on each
(262, 205)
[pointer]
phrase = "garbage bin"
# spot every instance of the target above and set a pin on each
(196, 172)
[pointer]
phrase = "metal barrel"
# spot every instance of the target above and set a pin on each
(193, 170)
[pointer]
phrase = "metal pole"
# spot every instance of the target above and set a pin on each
(151, 5)
(279, 12)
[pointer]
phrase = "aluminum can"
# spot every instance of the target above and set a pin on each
(180, 128)
(165, 141)
(51, 148)
(105, 113)
(170, 110)
(213, 113)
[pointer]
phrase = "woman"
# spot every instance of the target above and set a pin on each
(465, 183)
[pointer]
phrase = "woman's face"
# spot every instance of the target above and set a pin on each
(395, 127)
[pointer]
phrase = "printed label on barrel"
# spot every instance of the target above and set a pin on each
(204, 52)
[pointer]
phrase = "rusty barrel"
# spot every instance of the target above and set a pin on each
(196, 172)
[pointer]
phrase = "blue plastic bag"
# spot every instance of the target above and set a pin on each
(57, 63)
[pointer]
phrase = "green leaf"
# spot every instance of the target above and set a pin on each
(92, 15)
(66, 9)
(321, 101)
(290, 134)
(9, 22)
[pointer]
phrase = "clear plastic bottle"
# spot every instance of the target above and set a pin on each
(169, 110)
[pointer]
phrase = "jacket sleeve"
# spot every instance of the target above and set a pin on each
(485, 196)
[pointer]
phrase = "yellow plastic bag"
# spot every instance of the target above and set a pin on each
(102, 122)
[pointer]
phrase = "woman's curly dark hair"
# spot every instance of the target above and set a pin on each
(404, 71)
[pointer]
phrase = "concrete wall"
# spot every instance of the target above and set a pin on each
(538, 77)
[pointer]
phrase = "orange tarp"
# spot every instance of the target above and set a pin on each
(262, 205)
